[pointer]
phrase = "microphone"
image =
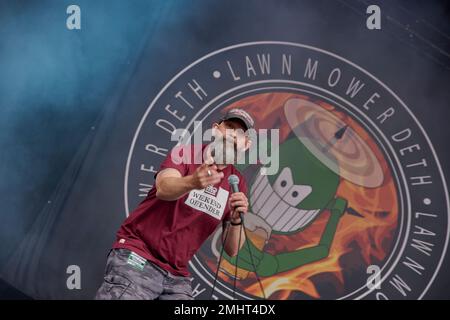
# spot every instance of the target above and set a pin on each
(233, 181)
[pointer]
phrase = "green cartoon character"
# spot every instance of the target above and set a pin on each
(312, 162)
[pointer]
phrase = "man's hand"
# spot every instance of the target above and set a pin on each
(206, 175)
(171, 185)
(235, 233)
(238, 204)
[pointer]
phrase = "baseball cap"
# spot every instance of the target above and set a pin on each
(241, 115)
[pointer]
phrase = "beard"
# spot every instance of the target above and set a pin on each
(224, 151)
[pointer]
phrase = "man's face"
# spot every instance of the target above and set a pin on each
(231, 140)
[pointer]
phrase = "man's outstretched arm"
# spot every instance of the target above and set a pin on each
(171, 185)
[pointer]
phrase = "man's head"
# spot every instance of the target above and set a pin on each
(230, 134)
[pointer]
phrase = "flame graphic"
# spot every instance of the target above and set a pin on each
(358, 242)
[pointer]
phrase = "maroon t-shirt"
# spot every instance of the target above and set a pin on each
(168, 233)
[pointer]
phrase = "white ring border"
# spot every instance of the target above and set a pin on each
(286, 43)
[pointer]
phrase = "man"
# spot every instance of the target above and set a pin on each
(150, 257)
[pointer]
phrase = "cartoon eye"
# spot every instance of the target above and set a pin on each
(296, 194)
(283, 182)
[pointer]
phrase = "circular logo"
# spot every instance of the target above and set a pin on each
(358, 208)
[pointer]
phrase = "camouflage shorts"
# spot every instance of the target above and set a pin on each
(131, 277)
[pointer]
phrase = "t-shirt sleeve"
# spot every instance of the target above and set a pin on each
(175, 159)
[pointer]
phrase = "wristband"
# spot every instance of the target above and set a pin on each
(235, 224)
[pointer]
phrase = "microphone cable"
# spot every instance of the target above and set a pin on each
(251, 258)
(237, 258)
(220, 258)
